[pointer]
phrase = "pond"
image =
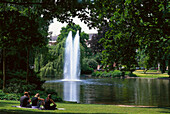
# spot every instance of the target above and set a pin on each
(128, 91)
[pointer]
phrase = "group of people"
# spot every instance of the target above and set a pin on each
(37, 102)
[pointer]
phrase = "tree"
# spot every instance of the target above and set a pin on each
(74, 28)
(139, 22)
(36, 12)
(53, 61)
(18, 33)
(94, 43)
(153, 29)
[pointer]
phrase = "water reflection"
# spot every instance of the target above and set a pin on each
(71, 91)
(137, 91)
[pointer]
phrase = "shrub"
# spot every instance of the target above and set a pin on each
(132, 75)
(85, 69)
(92, 63)
(19, 87)
(11, 96)
(115, 73)
(43, 94)
(8, 96)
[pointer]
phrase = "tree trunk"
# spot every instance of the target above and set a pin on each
(163, 66)
(27, 77)
(4, 70)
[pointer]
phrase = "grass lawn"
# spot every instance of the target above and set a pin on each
(150, 74)
(5, 108)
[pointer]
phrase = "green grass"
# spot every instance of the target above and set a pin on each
(5, 108)
(150, 74)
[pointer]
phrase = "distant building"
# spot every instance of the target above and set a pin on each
(53, 40)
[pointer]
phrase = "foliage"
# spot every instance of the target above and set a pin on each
(25, 28)
(51, 62)
(97, 57)
(85, 69)
(16, 83)
(132, 75)
(48, 70)
(112, 74)
(92, 63)
(74, 28)
(132, 25)
(43, 94)
(7, 96)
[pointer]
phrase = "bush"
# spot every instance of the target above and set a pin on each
(16, 82)
(92, 63)
(85, 69)
(115, 73)
(16, 85)
(43, 94)
(19, 87)
(8, 96)
(132, 75)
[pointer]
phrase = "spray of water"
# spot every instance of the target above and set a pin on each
(72, 58)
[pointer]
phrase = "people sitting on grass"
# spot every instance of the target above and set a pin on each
(48, 101)
(25, 100)
(37, 101)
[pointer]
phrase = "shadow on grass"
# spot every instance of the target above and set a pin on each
(5, 104)
(12, 111)
(167, 108)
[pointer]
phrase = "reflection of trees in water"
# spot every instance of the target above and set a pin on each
(57, 87)
(151, 92)
(88, 93)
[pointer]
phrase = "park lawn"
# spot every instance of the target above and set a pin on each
(150, 74)
(6, 108)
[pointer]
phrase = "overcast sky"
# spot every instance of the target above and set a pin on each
(56, 26)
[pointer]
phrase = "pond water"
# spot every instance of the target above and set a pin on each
(132, 91)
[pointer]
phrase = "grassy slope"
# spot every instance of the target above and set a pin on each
(150, 74)
(5, 108)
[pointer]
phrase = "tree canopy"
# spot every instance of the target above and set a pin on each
(133, 25)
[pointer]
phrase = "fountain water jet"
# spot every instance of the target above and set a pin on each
(72, 58)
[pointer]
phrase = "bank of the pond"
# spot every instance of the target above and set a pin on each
(6, 108)
(151, 74)
(137, 73)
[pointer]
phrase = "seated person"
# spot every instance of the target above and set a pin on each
(48, 101)
(25, 100)
(35, 101)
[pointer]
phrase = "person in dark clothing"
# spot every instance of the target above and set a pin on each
(48, 101)
(25, 100)
(35, 101)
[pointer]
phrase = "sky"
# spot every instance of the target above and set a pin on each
(56, 26)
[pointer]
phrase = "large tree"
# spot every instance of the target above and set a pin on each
(134, 24)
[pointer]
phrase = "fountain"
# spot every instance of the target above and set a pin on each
(72, 58)
(72, 68)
